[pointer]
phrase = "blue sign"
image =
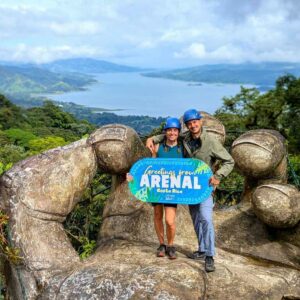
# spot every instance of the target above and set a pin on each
(171, 180)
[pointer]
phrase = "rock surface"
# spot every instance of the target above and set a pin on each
(130, 270)
(239, 231)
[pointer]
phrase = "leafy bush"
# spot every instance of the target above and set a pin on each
(12, 154)
(85, 220)
(4, 168)
(230, 189)
(19, 137)
(294, 170)
(42, 144)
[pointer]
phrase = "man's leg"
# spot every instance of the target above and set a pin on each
(194, 212)
(206, 219)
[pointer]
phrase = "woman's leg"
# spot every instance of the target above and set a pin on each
(158, 222)
(170, 216)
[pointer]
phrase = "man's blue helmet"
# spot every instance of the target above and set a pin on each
(191, 114)
(172, 123)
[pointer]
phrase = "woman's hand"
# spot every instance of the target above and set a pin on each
(129, 177)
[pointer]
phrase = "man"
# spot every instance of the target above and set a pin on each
(198, 144)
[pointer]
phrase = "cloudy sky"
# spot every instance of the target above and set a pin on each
(151, 33)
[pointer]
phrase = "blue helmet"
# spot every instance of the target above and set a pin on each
(191, 114)
(172, 123)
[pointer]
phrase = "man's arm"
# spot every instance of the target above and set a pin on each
(152, 140)
(157, 139)
(227, 162)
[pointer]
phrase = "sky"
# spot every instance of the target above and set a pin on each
(151, 33)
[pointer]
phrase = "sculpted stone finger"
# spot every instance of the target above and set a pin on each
(257, 153)
(117, 148)
(277, 205)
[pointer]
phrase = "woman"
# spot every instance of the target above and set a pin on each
(169, 148)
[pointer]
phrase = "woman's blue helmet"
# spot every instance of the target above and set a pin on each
(172, 123)
(191, 114)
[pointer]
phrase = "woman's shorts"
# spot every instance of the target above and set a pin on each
(165, 204)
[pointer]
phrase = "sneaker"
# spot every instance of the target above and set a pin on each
(161, 250)
(209, 264)
(196, 255)
(171, 252)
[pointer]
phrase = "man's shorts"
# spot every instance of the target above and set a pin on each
(165, 204)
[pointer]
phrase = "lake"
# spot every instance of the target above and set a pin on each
(135, 94)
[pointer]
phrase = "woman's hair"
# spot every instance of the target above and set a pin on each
(167, 148)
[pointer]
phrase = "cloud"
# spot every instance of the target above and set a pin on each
(180, 35)
(78, 28)
(42, 54)
(232, 54)
(195, 50)
(228, 53)
(168, 32)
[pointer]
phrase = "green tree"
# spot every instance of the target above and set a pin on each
(289, 87)
(42, 144)
(251, 110)
(4, 167)
(19, 137)
(52, 120)
(3, 138)
(58, 117)
(10, 114)
(277, 109)
(12, 154)
(84, 222)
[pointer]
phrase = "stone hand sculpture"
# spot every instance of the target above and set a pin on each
(261, 156)
(39, 192)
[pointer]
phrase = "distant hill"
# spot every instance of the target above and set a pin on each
(87, 65)
(31, 79)
(261, 74)
(56, 77)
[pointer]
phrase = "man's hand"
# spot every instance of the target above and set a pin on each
(150, 144)
(214, 182)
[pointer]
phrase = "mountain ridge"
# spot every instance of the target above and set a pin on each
(32, 79)
(264, 73)
(87, 65)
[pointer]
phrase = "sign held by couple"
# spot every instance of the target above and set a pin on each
(171, 180)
